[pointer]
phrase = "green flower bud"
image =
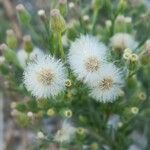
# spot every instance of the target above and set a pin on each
(11, 39)
(42, 15)
(94, 146)
(63, 7)
(96, 4)
(67, 113)
(142, 96)
(80, 131)
(13, 105)
(9, 54)
(120, 25)
(68, 83)
(133, 61)
(57, 22)
(23, 15)
(122, 5)
(27, 44)
(50, 112)
(134, 110)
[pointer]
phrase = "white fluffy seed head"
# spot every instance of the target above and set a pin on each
(122, 41)
(65, 133)
(107, 86)
(86, 57)
(45, 77)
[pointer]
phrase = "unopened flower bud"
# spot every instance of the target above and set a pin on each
(68, 83)
(135, 110)
(42, 15)
(86, 18)
(120, 25)
(122, 5)
(71, 5)
(13, 105)
(96, 4)
(11, 39)
(134, 58)
(128, 50)
(94, 146)
(30, 114)
(40, 135)
(2, 60)
(23, 15)
(120, 124)
(126, 55)
(50, 112)
(80, 131)
(57, 22)
(63, 7)
(68, 113)
(9, 54)
(108, 23)
(142, 96)
(27, 44)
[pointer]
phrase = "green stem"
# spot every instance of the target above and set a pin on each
(95, 16)
(61, 46)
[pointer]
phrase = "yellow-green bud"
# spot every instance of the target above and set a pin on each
(9, 54)
(108, 23)
(128, 50)
(80, 131)
(27, 44)
(120, 25)
(127, 55)
(96, 4)
(68, 113)
(50, 112)
(134, 110)
(2, 60)
(11, 39)
(23, 15)
(134, 58)
(63, 7)
(68, 83)
(57, 22)
(122, 5)
(13, 105)
(94, 146)
(120, 124)
(142, 96)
